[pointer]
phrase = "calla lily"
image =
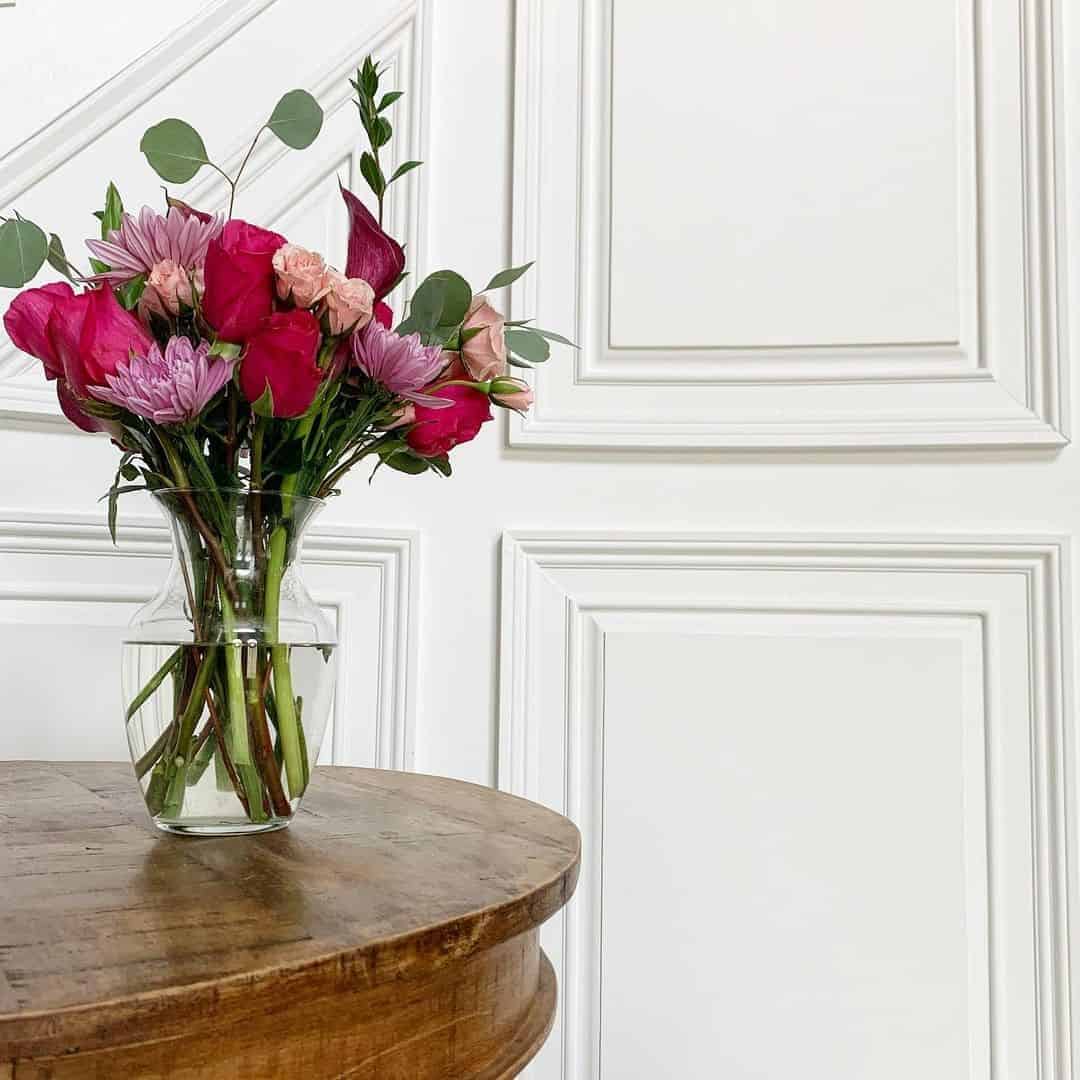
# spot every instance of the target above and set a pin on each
(373, 256)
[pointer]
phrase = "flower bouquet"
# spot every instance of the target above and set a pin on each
(241, 378)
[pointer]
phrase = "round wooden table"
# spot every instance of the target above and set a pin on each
(390, 932)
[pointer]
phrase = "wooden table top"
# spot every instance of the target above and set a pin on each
(108, 926)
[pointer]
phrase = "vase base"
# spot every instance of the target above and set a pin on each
(217, 827)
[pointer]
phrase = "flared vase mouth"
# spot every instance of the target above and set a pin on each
(166, 494)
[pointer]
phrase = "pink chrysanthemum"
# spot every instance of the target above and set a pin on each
(169, 388)
(151, 238)
(402, 364)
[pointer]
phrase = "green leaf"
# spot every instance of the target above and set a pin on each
(513, 361)
(128, 471)
(440, 464)
(405, 462)
(403, 168)
(175, 150)
(381, 131)
(264, 406)
(23, 249)
(552, 336)
(389, 99)
(113, 214)
(98, 266)
(369, 77)
(57, 258)
(371, 172)
(130, 293)
(441, 301)
(528, 345)
(507, 277)
(297, 119)
(225, 349)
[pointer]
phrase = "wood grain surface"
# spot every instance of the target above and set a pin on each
(391, 932)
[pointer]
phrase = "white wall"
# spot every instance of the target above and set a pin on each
(788, 634)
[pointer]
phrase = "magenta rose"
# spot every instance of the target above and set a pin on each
(93, 335)
(239, 279)
(282, 355)
(27, 320)
(438, 431)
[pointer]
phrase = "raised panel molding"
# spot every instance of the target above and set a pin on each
(396, 31)
(57, 558)
(1000, 597)
(1001, 382)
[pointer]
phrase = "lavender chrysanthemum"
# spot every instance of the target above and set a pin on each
(402, 364)
(168, 388)
(140, 243)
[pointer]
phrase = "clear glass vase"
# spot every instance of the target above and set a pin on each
(228, 673)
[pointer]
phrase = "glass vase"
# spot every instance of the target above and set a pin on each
(228, 673)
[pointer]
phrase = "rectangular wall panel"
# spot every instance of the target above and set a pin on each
(836, 225)
(818, 782)
(66, 595)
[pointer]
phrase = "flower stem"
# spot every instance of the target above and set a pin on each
(287, 726)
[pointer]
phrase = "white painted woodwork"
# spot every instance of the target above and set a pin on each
(784, 604)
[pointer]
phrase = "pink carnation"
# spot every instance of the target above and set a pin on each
(169, 388)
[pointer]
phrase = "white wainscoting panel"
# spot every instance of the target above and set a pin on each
(59, 174)
(821, 783)
(66, 595)
(837, 226)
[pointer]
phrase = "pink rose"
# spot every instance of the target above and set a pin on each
(349, 303)
(483, 353)
(240, 279)
(300, 274)
(27, 320)
(438, 431)
(511, 393)
(282, 355)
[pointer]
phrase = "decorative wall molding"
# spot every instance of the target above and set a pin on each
(562, 594)
(37, 548)
(398, 37)
(1002, 382)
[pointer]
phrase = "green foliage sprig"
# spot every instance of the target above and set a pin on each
(176, 151)
(378, 130)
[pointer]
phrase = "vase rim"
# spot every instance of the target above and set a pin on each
(311, 500)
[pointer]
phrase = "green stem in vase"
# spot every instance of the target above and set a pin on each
(174, 799)
(288, 728)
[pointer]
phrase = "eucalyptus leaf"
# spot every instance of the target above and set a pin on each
(441, 300)
(528, 345)
(552, 336)
(297, 119)
(23, 250)
(507, 277)
(175, 150)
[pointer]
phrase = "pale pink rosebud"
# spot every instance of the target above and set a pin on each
(484, 352)
(301, 274)
(511, 393)
(349, 303)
